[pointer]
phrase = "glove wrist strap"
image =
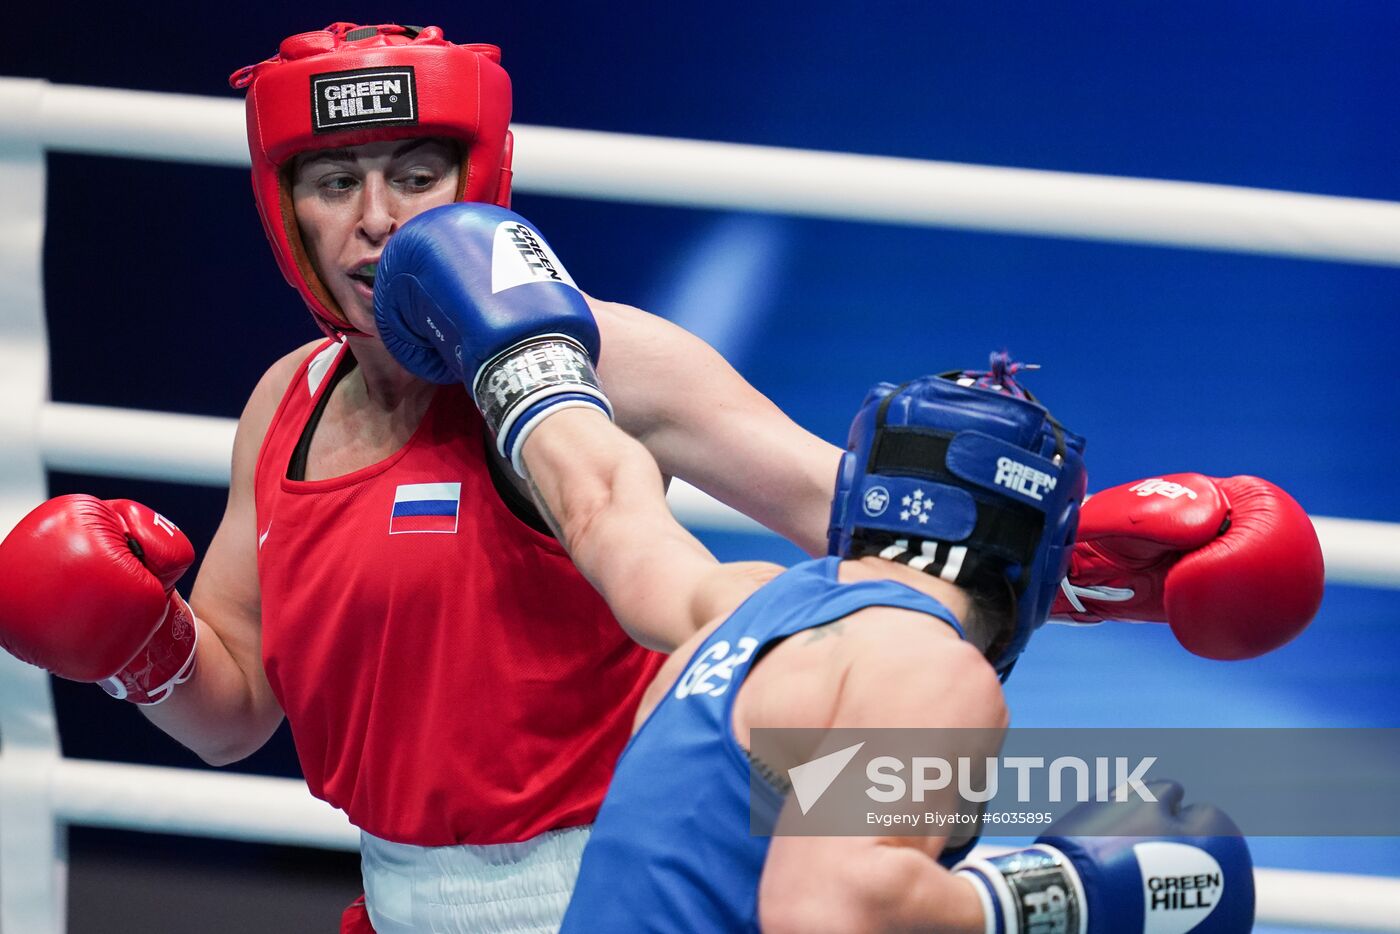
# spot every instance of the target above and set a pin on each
(170, 656)
(522, 385)
(1035, 889)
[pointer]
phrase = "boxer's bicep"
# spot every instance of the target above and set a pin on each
(706, 425)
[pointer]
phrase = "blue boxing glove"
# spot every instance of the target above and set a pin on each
(472, 293)
(1123, 868)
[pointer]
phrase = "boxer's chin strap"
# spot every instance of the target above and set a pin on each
(335, 331)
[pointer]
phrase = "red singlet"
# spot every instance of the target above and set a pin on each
(448, 675)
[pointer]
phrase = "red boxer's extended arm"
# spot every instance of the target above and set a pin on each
(704, 424)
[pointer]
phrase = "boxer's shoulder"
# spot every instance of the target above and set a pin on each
(264, 401)
(272, 385)
(880, 665)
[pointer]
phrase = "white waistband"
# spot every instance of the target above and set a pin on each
(507, 888)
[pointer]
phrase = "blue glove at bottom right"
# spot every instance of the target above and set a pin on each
(1123, 868)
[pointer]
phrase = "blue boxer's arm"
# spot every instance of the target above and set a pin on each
(602, 494)
(472, 293)
(1120, 868)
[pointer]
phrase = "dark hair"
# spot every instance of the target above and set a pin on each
(991, 615)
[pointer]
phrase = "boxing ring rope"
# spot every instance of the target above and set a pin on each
(104, 441)
(41, 791)
(651, 170)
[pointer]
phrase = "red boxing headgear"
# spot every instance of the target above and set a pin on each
(346, 85)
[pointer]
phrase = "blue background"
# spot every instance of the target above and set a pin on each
(163, 295)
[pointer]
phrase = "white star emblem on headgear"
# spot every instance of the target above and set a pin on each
(918, 506)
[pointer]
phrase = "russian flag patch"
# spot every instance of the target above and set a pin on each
(425, 507)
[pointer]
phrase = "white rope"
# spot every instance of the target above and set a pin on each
(1332, 901)
(945, 194)
(1358, 551)
(128, 443)
(654, 170)
(112, 442)
(225, 805)
(136, 124)
(281, 811)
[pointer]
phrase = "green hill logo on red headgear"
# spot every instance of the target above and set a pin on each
(363, 97)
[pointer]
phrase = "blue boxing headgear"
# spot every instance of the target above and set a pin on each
(966, 476)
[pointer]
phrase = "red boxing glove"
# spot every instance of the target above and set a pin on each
(87, 592)
(1233, 565)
